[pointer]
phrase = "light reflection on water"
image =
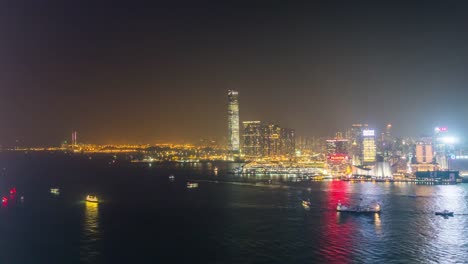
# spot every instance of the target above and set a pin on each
(377, 224)
(407, 230)
(91, 233)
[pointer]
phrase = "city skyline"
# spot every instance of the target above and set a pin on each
(233, 137)
(228, 132)
(139, 74)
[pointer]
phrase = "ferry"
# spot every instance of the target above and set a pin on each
(444, 213)
(192, 185)
(55, 191)
(92, 199)
(358, 209)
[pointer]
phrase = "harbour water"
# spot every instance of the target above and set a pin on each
(143, 217)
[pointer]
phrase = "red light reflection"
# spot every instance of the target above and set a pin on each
(339, 232)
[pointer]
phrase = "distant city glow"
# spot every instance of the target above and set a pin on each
(449, 140)
(368, 133)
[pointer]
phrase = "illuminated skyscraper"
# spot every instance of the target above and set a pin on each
(424, 153)
(337, 149)
(388, 132)
(233, 124)
(355, 137)
(267, 141)
(253, 139)
(442, 147)
(272, 139)
(368, 146)
(288, 142)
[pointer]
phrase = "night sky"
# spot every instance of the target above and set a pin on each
(131, 72)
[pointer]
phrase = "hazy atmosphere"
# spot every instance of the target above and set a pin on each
(136, 73)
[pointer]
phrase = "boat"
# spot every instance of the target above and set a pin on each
(358, 209)
(92, 199)
(55, 191)
(192, 185)
(305, 203)
(171, 177)
(444, 213)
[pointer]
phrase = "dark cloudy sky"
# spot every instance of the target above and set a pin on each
(133, 72)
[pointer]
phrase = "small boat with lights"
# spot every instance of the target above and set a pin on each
(92, 199)
(444, 213)
(55, 191)
(192, 185)
(375, 208)
(171, 177)
(305, 203)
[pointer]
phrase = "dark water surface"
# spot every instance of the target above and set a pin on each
(144, 218)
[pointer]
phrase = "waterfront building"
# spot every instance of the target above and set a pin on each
(424, 152)
(337, 147)
(380, 170)
(368, 147)
(233, 124)
(253, 139)
(288, 142)
(439, 176)
(267, 141)
(444, 146)
(337, 156)
(272, 147)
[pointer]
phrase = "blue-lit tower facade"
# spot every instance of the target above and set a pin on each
(233, 124)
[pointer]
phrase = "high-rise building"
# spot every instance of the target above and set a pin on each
(304, 144)
(386, 148)
(337, 149)
(272, 141)
(388, 132)
(441, 147)
(355, 137)
(424, 153)
(233, 124)
(368, 146)
(253, 139)
(337, 146)
(288, 142)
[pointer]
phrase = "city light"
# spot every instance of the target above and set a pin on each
(368, 133)
(449, 140)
